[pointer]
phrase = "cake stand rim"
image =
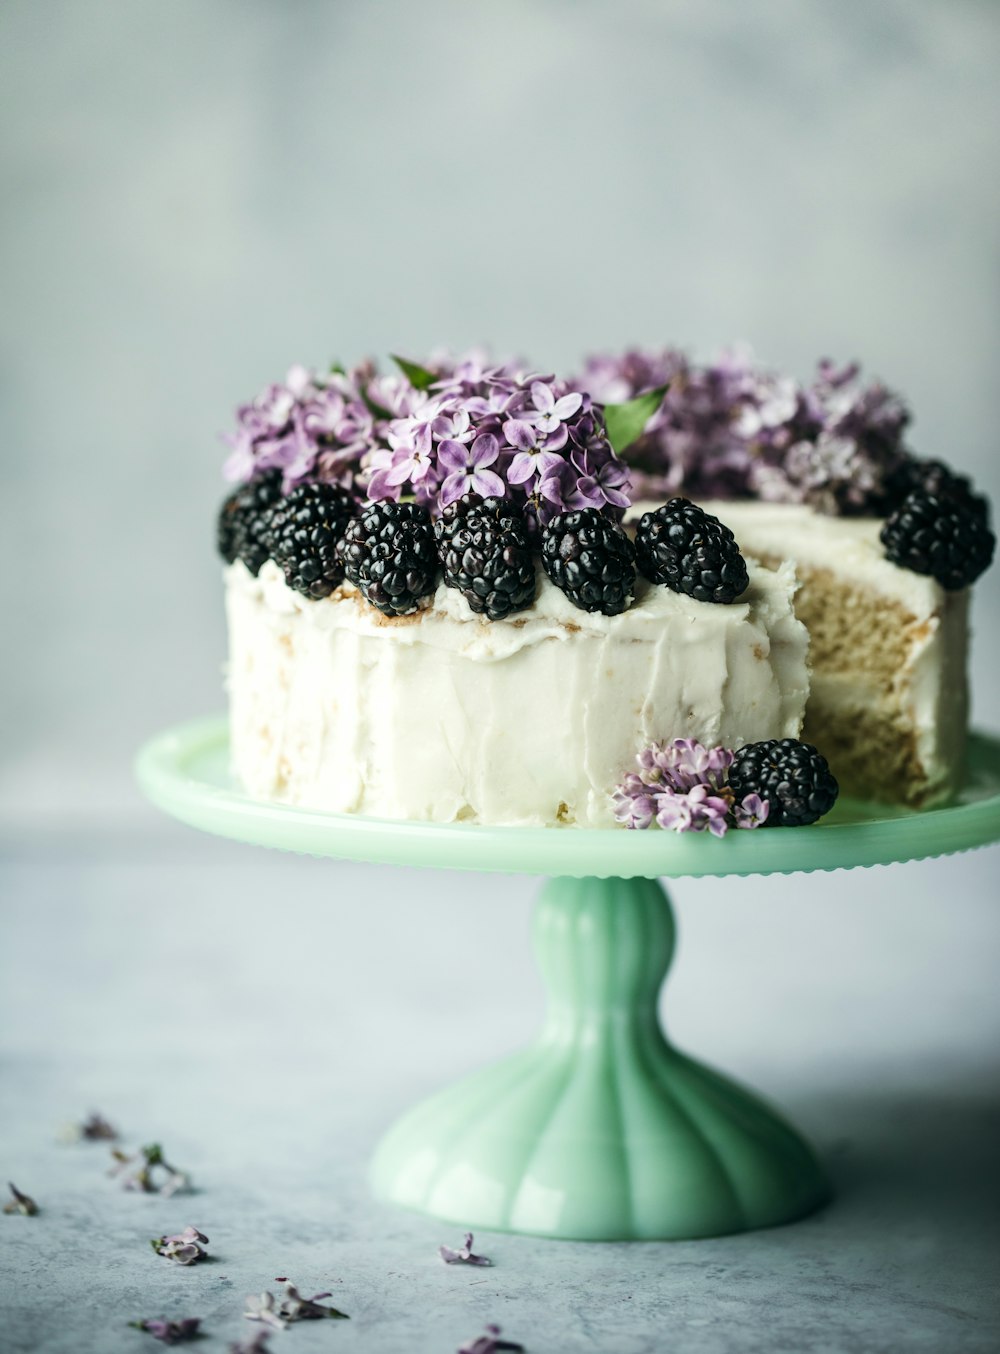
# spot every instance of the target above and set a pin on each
(172, 769)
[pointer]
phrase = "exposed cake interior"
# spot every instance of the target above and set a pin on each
(888, 701)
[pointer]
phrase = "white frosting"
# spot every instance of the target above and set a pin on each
(530, 720)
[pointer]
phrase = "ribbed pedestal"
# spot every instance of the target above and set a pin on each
(601, 1130)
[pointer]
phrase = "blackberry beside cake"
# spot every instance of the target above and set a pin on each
(443, 605)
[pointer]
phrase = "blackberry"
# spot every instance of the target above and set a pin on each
(937, 536)
(483, 547)
(388, 552)
(302, 534)
(933, 477)
(691, 552)
(591, 559)
(241, 528)
(794, 779)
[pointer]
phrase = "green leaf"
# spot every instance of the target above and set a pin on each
(419, 377)
(337, 369)
(626, 422)
(374, 409)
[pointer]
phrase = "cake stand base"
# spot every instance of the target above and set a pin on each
(601, 1131)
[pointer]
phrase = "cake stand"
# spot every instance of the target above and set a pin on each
(601, 1130)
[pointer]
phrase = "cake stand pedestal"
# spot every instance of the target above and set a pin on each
(601, 1130)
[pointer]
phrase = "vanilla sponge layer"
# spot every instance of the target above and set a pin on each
(532, 720)
(888, 704)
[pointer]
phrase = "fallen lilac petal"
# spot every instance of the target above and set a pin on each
(259, 1343)
(170, 1332)
(183, 1248)
(294, 1307)
(20, 1203)
(489, 1343)
(95, 1128)
(464, 1256)
(261, 1308)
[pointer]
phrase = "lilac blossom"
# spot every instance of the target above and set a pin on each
(489, 1343)
(684, 763)
(433, 433)
(20, 1203)
(491, 430)
(310, 426)
(293, 1307)
(185, 1248)
(170, 1332)
(263, 1308)
(468, 468)
(549, 415)
(634, 802)
(464, 1256)
(751, 811)
(733, 429)
(149, 1172)
(599, 484)
(259, 1343)
(682, 786)
(693, 810)
(95, 1128)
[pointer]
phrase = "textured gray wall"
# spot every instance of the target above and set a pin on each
(197, 193)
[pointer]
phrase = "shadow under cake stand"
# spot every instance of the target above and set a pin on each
(601, 1130)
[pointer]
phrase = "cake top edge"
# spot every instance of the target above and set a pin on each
(390, 446)
(636, 424)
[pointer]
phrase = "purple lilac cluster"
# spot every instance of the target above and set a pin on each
(311, 426)
(732, 429)
(682, 786)
(467, 426)
(492, 431)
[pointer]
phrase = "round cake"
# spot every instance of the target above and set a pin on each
(466, 593)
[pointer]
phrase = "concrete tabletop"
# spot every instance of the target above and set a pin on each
(266, 1017)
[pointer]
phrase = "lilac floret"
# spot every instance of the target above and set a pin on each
(311, 426)
(496, 432)
(463, 1256)
(733, 429)
(751, 811)
(682, 786)
(694, 810)
(434, 433)
(489, 1343)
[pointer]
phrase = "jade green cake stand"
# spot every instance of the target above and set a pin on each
(601, 1130)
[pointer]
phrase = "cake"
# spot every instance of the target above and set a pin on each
(445, 602)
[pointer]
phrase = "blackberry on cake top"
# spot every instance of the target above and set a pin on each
(934, 477)
(303, 531)
(388, 553)
(936, 535)
(241, 528)
(689, 551)
(484, 550)
(591, 559)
